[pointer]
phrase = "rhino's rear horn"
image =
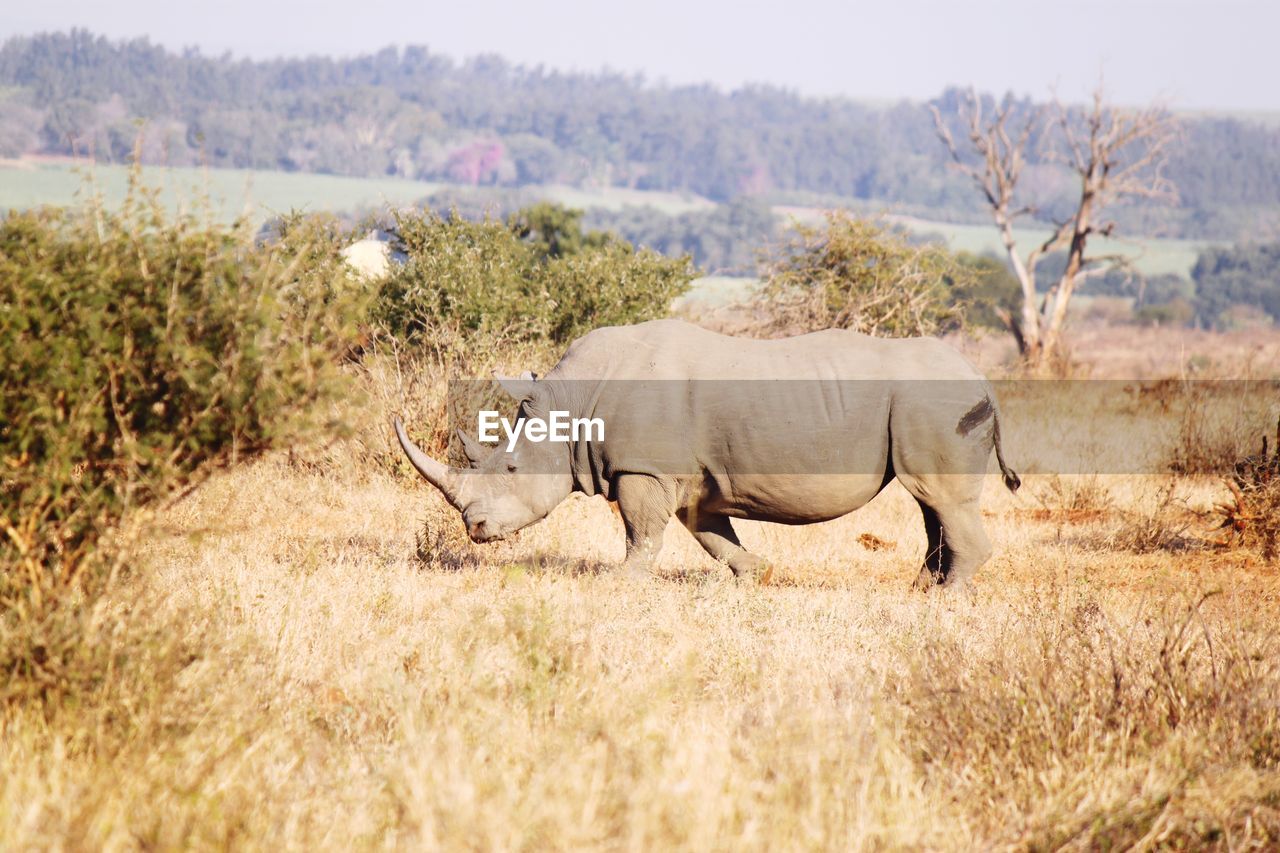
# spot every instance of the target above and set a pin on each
(436, 473)
(474, 450)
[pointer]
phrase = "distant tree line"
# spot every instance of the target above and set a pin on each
(485, 122)
(1228, 280)
(1229, 286)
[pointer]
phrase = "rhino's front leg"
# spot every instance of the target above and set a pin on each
(646, 504)
(716, 535)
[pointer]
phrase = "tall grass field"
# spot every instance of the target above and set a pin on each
(330, 663)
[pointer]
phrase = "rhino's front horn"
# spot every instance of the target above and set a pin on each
(436, 473)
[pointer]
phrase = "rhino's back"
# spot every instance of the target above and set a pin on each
(756, 444)
(674, 349)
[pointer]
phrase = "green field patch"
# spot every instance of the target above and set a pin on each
(1150, 255)
(263, 194)
(616, 198)
(717, 291)
(231, 192)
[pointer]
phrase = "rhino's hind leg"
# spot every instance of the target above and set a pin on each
(958, 544)
(646, 505)
(716, 535)
(931, 572)
(964, 541)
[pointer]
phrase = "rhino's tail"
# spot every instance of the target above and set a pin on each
(1011, 479)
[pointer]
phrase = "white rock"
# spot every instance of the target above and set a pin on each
(373, 256)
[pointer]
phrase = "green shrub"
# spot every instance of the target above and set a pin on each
(855, 274)
(609, 286)
(459, 276)
(138, 354)
(553, 230)
(312, 244)
(536, 278)
(994, 296)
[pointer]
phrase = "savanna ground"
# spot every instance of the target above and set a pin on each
(319, 658)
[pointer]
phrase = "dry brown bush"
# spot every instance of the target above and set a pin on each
(1251, 516)
(1076, 498)
(1160, 522)
(1162, 706)
(857, 274)
(1254, 517)
(1220, 422)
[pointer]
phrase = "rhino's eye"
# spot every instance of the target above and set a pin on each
(511, 467)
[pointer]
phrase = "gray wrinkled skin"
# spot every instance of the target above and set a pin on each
(809, 449)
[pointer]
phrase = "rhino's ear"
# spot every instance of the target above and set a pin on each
(474, 450)
(521, 389)
(533, 396)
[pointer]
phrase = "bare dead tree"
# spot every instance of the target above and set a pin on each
(1115, 154)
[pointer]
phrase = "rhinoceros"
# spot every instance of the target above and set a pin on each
(709, 428)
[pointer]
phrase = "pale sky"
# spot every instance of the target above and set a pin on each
(1186, 54)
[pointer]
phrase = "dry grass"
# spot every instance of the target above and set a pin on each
(1105, 351)
(316, 657)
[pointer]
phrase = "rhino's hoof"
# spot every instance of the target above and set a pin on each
(636, 572)
(754, 570)
(926, 580)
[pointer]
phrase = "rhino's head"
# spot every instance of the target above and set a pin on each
(503, 491)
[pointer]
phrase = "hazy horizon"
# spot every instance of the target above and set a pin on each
(1178, 53)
